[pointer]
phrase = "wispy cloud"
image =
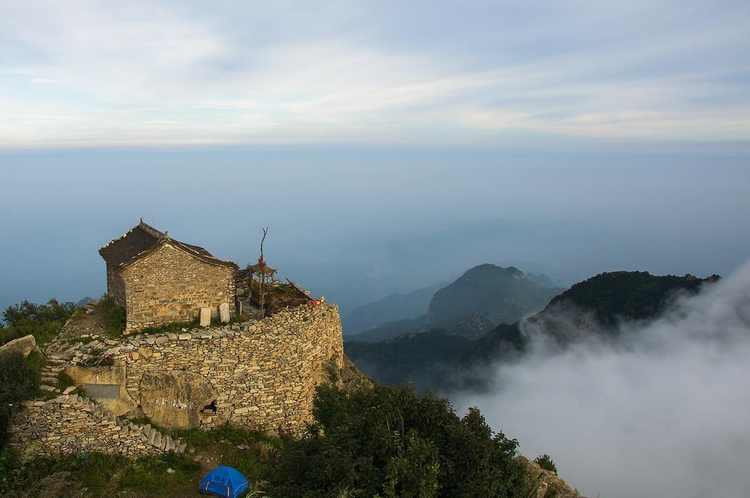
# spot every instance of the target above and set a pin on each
(90, 73)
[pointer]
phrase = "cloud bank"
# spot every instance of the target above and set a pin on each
(85, 72)
(663, 414)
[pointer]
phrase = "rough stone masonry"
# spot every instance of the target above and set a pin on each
(260, 375)
(71, 424)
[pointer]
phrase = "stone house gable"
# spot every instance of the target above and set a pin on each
(159, 280)
(123, 249)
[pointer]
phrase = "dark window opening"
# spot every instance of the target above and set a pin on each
(211, 407)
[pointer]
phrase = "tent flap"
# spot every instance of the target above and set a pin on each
(224, 481)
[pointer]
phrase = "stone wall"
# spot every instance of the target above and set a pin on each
(70, 424)
(170, 285)
(261, 375)
(115, 286)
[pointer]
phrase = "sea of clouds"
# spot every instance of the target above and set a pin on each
(663, 413)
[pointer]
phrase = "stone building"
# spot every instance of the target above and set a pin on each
(160, 280)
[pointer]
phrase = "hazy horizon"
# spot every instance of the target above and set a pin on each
(388, 146)
(358, 223)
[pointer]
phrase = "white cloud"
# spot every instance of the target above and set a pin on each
(664, 415)
(94, 73)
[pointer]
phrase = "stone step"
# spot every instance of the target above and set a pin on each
(50, 389)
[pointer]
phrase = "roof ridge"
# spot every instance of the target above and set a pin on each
(205, 257)
(153, 232)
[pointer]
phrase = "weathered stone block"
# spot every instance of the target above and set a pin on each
(205, 317)
(174, 399)
(224, 312)
(24, 345)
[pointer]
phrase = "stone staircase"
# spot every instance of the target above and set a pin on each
(50, 373)
(70, 424)
(61, 354)
(139, 439)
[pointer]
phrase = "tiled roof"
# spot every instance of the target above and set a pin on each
(142, 239)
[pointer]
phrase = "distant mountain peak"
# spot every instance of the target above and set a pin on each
(487, 293)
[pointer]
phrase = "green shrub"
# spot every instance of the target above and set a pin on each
(8, 462)
(112, 315)
(19, 377)
(389, 441)
(109, 475)
(545, 461)
(5, 415)
(43, 321)
(19, 381)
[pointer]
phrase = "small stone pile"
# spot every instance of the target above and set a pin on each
(70, 424)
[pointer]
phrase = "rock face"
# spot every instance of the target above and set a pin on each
(175, 400)
(547, 484)
(24, 345)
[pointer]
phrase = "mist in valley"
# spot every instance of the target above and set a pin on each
(663, 412)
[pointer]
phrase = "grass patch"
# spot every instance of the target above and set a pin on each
(247, 451)
(169, 475)
(108, 475)
(150, 476)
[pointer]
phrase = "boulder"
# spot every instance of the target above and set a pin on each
(24, 345)
(174, 400)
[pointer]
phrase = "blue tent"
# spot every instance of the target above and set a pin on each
(224, 481)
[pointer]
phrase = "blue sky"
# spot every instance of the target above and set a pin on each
(81, 74)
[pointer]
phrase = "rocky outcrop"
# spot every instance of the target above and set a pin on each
(546, 484)
(24, 345)
(175, 400)
(70, 424)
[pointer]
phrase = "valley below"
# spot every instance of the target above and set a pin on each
(633, 382)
